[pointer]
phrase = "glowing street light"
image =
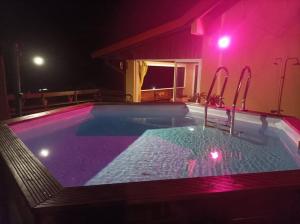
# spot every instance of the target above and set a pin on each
(39, 61)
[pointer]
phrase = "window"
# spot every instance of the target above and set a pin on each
(163, 77)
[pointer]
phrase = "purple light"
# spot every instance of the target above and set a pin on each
(224, 42)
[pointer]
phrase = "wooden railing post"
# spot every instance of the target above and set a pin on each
(75, 96)
(44, 101)
(48, 100)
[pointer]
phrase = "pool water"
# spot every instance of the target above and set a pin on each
(121, 143)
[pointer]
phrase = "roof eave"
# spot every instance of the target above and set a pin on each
(198, 11)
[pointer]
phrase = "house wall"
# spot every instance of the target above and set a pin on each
(260, 31)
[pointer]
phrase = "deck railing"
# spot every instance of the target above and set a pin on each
(35, 102)
(160, 94)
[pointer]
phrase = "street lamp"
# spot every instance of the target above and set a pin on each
(37, 60)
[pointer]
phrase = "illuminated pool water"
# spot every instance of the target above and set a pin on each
(121, 143)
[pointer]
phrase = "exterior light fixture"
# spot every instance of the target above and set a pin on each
(224, 42)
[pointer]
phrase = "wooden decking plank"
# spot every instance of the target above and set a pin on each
(32, 177)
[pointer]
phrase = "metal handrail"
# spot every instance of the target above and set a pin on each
(211, 88)
(245, 69)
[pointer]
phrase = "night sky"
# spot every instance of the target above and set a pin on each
(65, 33)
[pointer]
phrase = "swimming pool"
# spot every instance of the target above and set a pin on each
(109, 144)
(131, 163)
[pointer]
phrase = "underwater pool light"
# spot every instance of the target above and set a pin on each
(214, 155)
(44, 152)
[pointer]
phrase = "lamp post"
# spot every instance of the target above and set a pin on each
(37, 60)
(18, 79)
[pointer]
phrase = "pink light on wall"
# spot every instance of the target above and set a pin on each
(224, 42)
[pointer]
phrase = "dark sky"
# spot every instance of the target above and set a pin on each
(66, 32)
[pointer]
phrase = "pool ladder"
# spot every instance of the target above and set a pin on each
(208, 97)
(245, 70)
(231, 116)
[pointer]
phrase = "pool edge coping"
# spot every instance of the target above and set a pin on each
(287, 126)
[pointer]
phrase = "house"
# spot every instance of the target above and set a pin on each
(263, 35)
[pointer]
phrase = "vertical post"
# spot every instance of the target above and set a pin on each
(282, 78)
(296, 59)
(199, 77)
(195, 78)
(175, 82)
(280, 86)
(124, 68)
(4, 109)
(75, 96)
(136, 81)
(18, 79)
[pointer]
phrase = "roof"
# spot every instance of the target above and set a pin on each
(199, 11)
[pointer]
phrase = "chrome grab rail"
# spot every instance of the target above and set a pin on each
(211, 88)
(245, 69)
